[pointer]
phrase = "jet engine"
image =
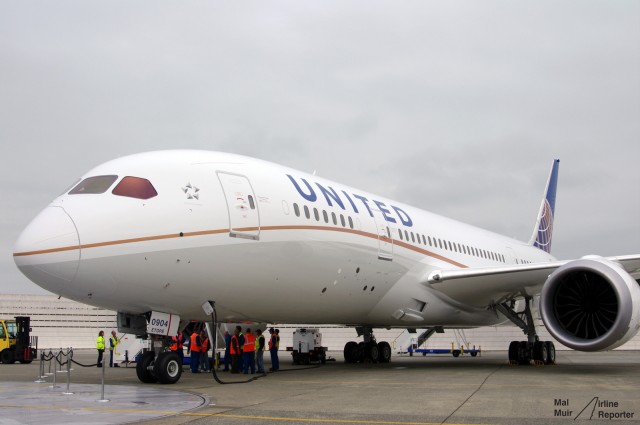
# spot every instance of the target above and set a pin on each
(591, 304)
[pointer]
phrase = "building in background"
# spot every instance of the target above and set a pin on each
(62, 323)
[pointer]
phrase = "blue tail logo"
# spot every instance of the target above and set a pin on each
(543, 231)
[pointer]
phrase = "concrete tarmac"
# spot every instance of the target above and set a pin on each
(590, 388)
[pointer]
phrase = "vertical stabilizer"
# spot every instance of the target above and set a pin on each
(543, 229)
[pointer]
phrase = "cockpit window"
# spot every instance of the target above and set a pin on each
(135, 187)
(93, 185)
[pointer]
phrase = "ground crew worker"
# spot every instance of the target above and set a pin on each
(241, 355)
(113, 341)
(100, 347)
(273, 350)
(249, 352)
(176, 345)
(260, 351)
(204, 352)
(194, 347)
(235, 350)
(227, 351)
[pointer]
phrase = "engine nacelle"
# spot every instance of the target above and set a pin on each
(591, 304)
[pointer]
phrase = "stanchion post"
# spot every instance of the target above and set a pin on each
(69, 356)
(103, 400)
(50, 354)
(54, 374)
(40, 379)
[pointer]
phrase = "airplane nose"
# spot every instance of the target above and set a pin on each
(48, 250)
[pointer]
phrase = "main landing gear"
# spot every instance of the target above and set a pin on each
(368, 350)
(523, 352)
(164, 367)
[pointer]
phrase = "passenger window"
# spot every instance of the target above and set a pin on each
(388, 232)
(342, 221)
(325, 216)
(350, 222)
(306, 212)
(413, 239)
(406, 235)
(296, 209)
(429, 239)
(316, 214)
(400, 234)
(135, 187)
(334, 219)
(93, 185)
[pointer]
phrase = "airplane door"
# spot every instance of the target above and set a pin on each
(244, 218)
(385, 243)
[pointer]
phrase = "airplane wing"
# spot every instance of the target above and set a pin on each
(480, 287)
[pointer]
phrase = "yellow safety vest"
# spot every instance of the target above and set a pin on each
(100, 343)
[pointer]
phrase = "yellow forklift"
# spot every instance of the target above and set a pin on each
(16, 344)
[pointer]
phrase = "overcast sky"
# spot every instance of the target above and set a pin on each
(455, 107)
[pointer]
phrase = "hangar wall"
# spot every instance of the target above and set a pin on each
(61, 323)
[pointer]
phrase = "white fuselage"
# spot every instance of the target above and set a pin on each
(235, 230)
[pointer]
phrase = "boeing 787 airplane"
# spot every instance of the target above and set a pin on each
(164, 237)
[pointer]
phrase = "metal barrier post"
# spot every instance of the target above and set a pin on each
(49, 373)
(40, 379)
(54, 374)
(102, 400)
(69, 357)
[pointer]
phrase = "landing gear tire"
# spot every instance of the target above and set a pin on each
(514, 349)
(168, 368)
(385, 352)
(7, 357)
(540, 351)
(351, 352)
(550, 358)
(372, 352)
(142, 368)
(524, 356)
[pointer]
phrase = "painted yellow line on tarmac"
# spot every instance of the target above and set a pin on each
(226, 415)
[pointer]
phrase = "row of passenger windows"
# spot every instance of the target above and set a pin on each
(403, 235)
(325, 216)
(449, 246)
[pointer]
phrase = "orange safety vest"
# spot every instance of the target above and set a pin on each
(234, 349)
(193, 346)
(272, 342)
(205, 346)
(249, 343)
(177, 343)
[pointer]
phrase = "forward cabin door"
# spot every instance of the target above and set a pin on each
(385, 243)
(244, 218)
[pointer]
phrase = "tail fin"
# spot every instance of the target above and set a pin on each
(543, 229)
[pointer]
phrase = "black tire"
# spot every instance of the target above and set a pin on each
(385, 351)
(372, 352)
(524, 354)
(168, 368)
(142, 367)
(473, 353)
(306, 360)
(351, 352)
(8, 357)
(514, 348)
(456, 353)
(540, 351)
(551, 353)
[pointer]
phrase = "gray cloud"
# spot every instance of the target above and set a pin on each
(455, 107)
